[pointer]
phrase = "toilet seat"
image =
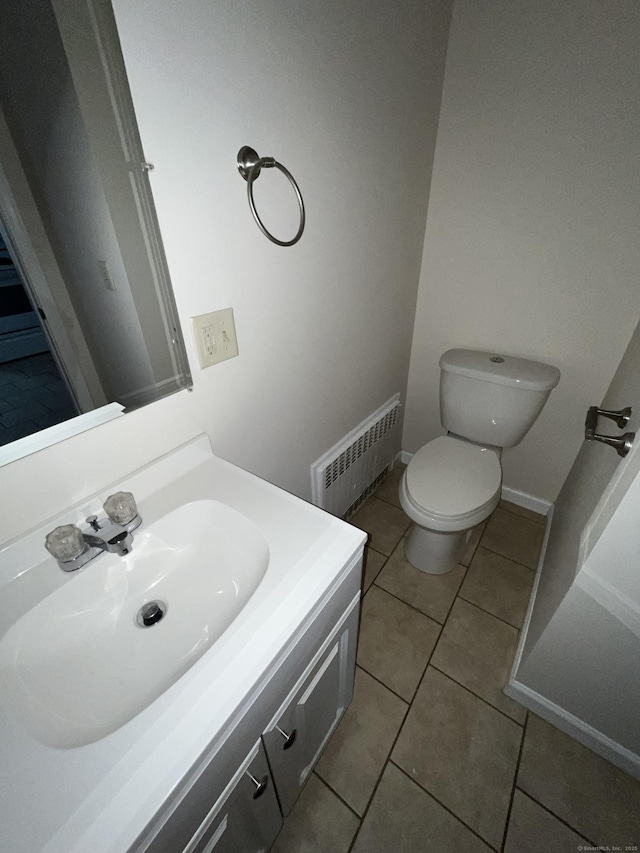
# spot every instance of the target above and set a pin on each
(451, 485)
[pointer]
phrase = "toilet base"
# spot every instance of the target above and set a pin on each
(433, 552)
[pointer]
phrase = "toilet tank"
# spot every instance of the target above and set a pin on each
(490, 398)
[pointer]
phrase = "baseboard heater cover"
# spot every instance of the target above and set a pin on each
(346, 474)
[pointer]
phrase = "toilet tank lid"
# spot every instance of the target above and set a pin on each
(501, 369)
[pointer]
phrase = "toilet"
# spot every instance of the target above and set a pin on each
(454, 482)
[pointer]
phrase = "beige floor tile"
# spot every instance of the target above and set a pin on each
(532, 829)
(477, 650)
(514, 536)
(498, 585)
(597, 799)
(462, 751)
(373, 562)
(472, 544)
(388, 491)
(384, 523)
(523, 511)
(356, 754)
(431, 594)
(395, 641)
(404, 819)
(318, 823)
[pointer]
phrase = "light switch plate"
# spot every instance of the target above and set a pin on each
(215, 336)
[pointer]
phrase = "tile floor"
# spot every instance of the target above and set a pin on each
(32, 397)
(431, 755)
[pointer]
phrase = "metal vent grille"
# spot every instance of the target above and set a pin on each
(344, 476)
(359, 447)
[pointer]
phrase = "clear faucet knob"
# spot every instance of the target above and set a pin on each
(121, 507)
(65, 542)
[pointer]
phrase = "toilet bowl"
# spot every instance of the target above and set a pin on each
(454, 482)
(450, 486)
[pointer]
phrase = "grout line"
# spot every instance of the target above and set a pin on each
(440, 803)
(520, 515)
(513, 787)
(395, 740)
(390, 689)
(554, 815)
(411, 606)
(468, 689)
(336, 794)
(489, 613)
(379, 779)
(386, 556)
(504, 556)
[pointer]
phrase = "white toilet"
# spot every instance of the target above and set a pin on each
(453, 483)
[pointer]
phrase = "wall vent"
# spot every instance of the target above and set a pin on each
(344, 476)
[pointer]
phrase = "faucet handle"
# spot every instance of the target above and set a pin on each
(121, 508)
(65, 542)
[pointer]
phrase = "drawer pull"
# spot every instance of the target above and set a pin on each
(289, 740)
(261, 784)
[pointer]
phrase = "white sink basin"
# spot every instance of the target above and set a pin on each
(78, 665)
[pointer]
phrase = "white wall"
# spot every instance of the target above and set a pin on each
(347, 97)
(532, 242)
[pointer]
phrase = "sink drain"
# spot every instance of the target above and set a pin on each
(151, 613)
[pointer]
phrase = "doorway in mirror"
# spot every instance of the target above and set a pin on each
(33, 393)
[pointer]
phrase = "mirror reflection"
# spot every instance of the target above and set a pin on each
(87, 315)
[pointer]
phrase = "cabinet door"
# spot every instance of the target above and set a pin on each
(312, 711)
(246, 817)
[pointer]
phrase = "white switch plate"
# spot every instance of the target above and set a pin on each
(215, 336)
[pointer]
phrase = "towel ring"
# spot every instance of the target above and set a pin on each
(250, 166)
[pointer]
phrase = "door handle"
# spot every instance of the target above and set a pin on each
(622, 443)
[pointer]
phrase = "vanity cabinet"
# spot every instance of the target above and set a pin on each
(233, 801)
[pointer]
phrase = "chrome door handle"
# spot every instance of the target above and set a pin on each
(622, 443)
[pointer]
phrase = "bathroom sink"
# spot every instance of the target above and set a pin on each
(82, 662)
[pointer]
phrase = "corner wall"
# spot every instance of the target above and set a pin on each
(531, 245)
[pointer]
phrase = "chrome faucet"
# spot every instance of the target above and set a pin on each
(73, 548)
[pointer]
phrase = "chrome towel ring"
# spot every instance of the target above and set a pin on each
(250, 166)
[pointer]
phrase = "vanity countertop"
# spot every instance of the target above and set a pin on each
(99, 797)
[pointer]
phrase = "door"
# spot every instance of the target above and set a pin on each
(312, 711)
(581, 652)
(241, 815)
(246, 818)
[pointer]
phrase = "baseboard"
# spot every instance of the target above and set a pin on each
(404, 456)
(576, 728)
(523, 499)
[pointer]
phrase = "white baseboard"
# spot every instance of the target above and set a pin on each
(405, 457)
(523, 499)
(576, 728)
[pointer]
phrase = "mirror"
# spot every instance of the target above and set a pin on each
(87, 314)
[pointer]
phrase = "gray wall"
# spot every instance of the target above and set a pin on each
(42, 112)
